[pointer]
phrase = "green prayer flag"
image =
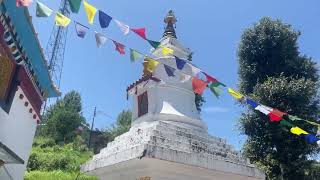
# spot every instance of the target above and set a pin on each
(286, 123)
(42, 10)
(294, 118)
(75, 5)
(154, 44)
(135, 55)
(217, 83)
(215, 89)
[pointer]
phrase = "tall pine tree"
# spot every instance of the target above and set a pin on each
(273, 72)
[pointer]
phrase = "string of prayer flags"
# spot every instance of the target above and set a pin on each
(119, 47)
(297, 131)
(141, 32)
(123, 27)
(24, 3)
(90, 11)
(166, 51)
(180, 63)
(150, 64)
(62, 20)
(198, 85)
(235, 94)
(154, 44)
(100, 39)
(81, 29)
(42, 10)
(311, 138)
(75, 5)
(170, 70)
(135, 55)
(104, 19)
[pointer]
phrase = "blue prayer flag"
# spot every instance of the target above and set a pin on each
(252, 103)
(180, 62)
(311, 138)
(169, 70)
(104, 19)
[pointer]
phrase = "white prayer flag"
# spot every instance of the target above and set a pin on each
(264, 109)
(100, 39)
(124, 28)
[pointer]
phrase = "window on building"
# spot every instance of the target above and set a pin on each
(142, 104)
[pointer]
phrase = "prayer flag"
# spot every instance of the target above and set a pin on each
(251, 102)
(195, 70)
(43, 10)
(90, 11)
(150, 64)
(135, 55)
(274, 117)
(119, 47)
(123, 27)
(141, 32)
(104, 19)
(81, 30)
(264, 109)
(62, 20)
(311, 138)
(318, 142)
(278, 113)
(23, 3)
(198, 85)
(166, 51)
(286, 123)
(184, 77)
(213, 80)
(297, 131)
(235, 94)
(100, 39)
(75, 5)
(214, 89)
(180, 62)
(169, 70)
(294, 118)
(154, 44)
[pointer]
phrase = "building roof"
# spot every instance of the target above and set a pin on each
(142, 79)
(21, 22)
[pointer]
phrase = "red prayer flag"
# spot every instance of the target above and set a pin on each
(141, 32)
(274, 117)
(278, 113)
(119, 47)
(210, 78)
(198, 85)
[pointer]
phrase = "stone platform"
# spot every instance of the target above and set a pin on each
(161, 150)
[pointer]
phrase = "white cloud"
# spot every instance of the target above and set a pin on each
(215, 109)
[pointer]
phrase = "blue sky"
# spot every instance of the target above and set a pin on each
(210, 28)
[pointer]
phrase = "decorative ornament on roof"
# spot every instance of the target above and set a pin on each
(170, 20)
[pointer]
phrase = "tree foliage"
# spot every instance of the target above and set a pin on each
(122, 124)
(63, 118)
(273, 73)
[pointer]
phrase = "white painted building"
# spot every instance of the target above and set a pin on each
(24, 84)
(168, 140)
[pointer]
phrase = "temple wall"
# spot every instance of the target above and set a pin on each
(17, 129)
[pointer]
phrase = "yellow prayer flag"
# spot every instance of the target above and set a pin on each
(297, 131)
(62, 20)
(151, 64)
(235, 94)
(90, 11)
(166, 51)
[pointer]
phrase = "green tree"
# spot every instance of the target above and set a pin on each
(122, 124)
(63, 118)
(273, 73)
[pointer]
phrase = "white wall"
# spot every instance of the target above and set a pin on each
(17, 130)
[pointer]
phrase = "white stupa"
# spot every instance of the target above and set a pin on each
(168, 140)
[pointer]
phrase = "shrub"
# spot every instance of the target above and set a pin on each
(56, 175)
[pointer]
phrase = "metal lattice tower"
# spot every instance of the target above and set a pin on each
(56, 46)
